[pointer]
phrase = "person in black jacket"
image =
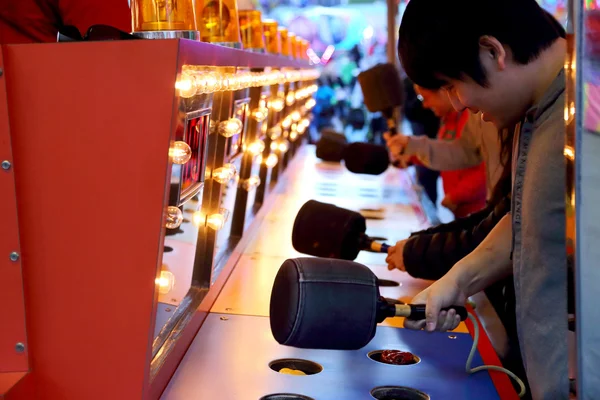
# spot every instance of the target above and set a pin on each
(429, 254)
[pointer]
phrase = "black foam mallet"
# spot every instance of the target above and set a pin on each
(326, 230)
(382, 91)
(366, 158)
(320, 303)
(331, 146)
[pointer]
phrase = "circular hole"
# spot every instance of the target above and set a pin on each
(398, 393)
(285, 396)
(295, 364)
(167, 249)
(387, 283)
(377, 355)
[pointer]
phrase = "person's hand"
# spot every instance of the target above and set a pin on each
(444, 292)
(449, 204)
(395, 259)
(396, 143)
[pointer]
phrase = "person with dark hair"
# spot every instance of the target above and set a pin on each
(505, 59)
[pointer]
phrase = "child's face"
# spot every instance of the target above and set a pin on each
(435, 100)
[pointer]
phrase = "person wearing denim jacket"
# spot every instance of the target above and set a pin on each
(505, 59)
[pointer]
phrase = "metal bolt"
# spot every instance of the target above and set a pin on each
(6, 165)
(224, 318)
(20, 347)
(452, 336)
(14, 256)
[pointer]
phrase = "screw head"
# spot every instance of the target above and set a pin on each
(229, 309)
(452, 336)
(20, 347)
(14, 256)
(6, 165)
(223, 318)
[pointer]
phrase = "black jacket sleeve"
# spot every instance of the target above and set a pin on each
(431, 253)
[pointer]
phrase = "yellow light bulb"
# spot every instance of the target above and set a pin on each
(215, 221)
(272, 160)
(198, 218)
(224, 174)
(296, 116)
(301, 128)
(293, 135)
(230, 127)
(290, 99)
(165, 282)
(251, 183)
(260, 114)
(310, 103)
(275, 132)
(287, 122)
(174, 217)
(257, 147)
(180, 152)
(305, 122)
(274, 146)
(276, 104)
(186, 85)
(283, 146)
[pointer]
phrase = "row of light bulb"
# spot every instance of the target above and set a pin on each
(193, 81)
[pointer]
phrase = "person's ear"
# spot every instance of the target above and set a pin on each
(491, 48)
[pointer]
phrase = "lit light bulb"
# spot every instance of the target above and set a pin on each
(296, 116)
(293, 135)
(272, 160)
(287, 122)
(301, 128)
(283, 146)
(224, 174)
(251, 183)
(217, 221)
(274, 146)
(174, 217)
(230, 127)
(276, 104)
(257, 147)
(198, 218)
(305, 122)
(186, 85)
(290, 99)
(180, 152)
(259, 114)
(275, 132)
(165, 281)
(310, 103)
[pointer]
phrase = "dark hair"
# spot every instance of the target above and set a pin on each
(440, 38)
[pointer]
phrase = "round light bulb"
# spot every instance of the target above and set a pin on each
(224, 174)
(296, 116)
(293, 135)
(274, 146)
(283, 146)
(180, 152)
(290, 99)
(301, 128)
(251, 183)
(286, 123)
(165, 281)
(275, 132)
(310, 103)
(272, 160)
(257, 147)
(260, 114)
(215, 221)
(230, 127)
(198, 218)
(276, 104)
(186, 85)
(174, 217)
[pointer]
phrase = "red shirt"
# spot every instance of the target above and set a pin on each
(32, 21)
(464, 187)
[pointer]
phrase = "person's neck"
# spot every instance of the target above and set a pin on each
(544, 69)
